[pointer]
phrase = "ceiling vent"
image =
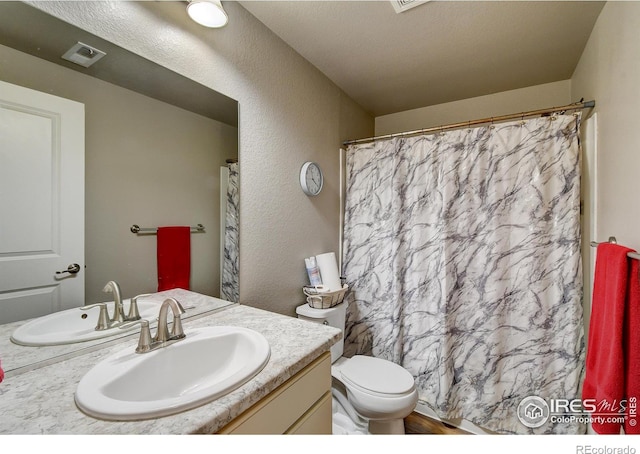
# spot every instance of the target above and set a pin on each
(403, 5)
(83, 55)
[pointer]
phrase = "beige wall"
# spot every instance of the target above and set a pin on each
(609, 72)
(147, 163)
(505, 103)
(289, 113)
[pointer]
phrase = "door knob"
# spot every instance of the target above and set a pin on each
(71, 269)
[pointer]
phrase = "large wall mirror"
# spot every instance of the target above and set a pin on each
(160, 150)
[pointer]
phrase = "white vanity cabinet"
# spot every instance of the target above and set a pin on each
(301, 405)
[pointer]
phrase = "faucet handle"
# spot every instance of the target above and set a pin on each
(134, 314)
(144, 342)
(103, 317)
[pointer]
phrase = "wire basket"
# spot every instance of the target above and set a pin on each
(324, 300)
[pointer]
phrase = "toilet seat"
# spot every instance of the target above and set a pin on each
(377, 376)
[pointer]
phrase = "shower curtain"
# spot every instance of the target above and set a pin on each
(230, 290)
(462, 253)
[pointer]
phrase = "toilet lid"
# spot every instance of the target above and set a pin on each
(377, 375)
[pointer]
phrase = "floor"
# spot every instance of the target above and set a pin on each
(417, 424)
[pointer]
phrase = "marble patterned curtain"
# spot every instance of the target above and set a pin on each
(462, 252)
(230, 290)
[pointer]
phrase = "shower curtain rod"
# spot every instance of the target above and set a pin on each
(531, 113)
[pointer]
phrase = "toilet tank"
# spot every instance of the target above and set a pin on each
(334, 316)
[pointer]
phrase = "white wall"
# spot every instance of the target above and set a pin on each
(504, 103)
(289, 113)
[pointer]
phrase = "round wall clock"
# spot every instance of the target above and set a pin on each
(311, 178)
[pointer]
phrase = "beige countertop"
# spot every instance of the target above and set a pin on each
(41, 401)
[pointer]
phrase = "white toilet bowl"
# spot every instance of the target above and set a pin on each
(379, 391)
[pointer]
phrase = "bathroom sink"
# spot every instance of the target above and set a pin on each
(209, 363)
(73, 325)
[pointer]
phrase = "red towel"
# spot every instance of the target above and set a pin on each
(631, 344)
(604, 378)
(174, 257)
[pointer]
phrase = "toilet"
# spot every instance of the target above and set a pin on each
(370, 395)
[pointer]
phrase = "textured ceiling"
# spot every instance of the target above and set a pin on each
(437, 52)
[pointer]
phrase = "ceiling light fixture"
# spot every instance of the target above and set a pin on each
(208, 13)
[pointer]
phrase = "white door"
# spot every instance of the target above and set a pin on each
(41, 203)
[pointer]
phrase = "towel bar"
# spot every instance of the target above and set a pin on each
(612, 239)
(151, 230)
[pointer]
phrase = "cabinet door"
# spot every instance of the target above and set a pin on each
(281, 410)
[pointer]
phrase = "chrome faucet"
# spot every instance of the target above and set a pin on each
(118, 318)
(163, 337)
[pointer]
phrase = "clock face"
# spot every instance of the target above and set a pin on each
(311, 178)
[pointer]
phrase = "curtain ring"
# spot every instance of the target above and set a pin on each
(492, 126)
(522, 120)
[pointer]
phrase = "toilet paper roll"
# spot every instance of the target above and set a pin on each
(329, 271)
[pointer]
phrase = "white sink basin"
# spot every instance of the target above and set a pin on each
(74, 325)
(209, 363)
